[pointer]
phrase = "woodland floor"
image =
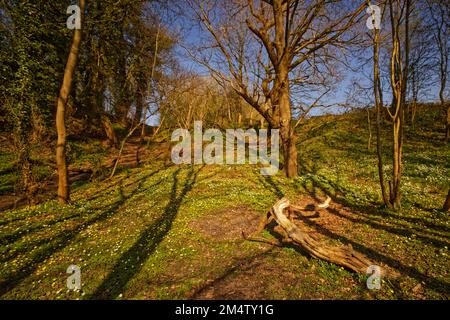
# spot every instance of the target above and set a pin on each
(96, 164)
(174, 232)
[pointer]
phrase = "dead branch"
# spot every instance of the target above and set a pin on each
(344, 256)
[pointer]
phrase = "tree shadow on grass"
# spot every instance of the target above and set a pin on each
(334, 189)
(11, 237)
(269, 184)
(435, 284)
(365, 215)
(110, 210)
(391, 229)
(48, 247)
(111, 186)
(131, 262)
(244, 264)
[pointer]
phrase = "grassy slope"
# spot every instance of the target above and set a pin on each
(162, 232)
(80, 153)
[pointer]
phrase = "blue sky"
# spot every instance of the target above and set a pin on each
(192, 33)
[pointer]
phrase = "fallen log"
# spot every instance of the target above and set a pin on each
(344, 256)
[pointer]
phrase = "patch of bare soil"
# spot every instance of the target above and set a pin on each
(228, 223)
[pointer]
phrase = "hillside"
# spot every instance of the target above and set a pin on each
(160, 231)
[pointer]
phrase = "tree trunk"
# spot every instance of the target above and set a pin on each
(398, 81)
(109, 130)
(443, 82)
(290, 152)
(61, 161)
(287, 131)
(395, 196)
(447, 202)
(369, 140)
(413, 113)
(378, 94)
(139, 107)
(123, 101)
(447, 129)
(152, 75)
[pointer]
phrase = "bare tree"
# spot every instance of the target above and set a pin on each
(378, 95)
(421, 60)
(399, 12)
(268, 44)
(440, 14)
(61, 161)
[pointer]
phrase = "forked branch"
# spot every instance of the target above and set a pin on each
(344, 256)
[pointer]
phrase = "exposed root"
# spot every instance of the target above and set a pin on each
(344, 256)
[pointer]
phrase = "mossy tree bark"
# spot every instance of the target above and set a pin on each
(61, 161)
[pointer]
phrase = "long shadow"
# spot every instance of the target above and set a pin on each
(111, 186)
(368, 213)
(57, 243)
(269, 184)
(394, 230)
(123, 198)
(435, 284)
(330, 187)
(9, 238)
(99, 194)
(130, 263)
(243, 265)
(336, 188)
(422, 222)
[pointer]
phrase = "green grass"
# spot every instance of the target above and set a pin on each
(90, 151)
(80, 153)
(336, 157)
(137, 236)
